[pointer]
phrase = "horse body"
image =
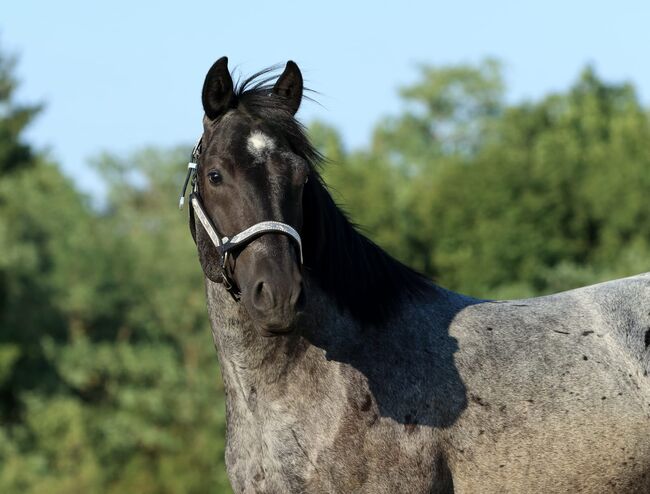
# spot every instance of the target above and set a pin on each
(559, 398)
(547, 394)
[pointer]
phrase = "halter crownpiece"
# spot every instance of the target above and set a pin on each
(225, 245)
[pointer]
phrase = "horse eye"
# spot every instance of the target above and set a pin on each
(214, 177)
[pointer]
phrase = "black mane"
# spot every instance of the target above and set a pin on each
(359, 275)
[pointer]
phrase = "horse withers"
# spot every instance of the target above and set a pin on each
(347, 372)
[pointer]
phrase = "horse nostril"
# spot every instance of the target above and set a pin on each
(259, 288)
(262, 297)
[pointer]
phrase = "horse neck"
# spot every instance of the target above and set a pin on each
(350, 282)
(354, 272)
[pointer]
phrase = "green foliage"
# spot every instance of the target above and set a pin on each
(108, 379)
(499, 200)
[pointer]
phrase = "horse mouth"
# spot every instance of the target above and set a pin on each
(273, 330)
(274, 333)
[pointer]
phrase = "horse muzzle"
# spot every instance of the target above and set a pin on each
(275, 296)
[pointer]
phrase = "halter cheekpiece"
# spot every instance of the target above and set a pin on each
(223, 244)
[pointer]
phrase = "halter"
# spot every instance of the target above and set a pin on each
(225, 245)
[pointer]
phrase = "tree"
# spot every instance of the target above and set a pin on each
(563, 184)
(495, 199)
(108, 379)
(449, 116)
(43, 226)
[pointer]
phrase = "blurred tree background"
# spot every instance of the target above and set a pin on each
(108, 379)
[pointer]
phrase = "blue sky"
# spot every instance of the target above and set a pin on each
(120, 75)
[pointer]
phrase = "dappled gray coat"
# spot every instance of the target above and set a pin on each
(354, 374)
(542, 395)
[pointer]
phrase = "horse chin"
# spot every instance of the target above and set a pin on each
(280, 317)
(267, 332)
(284, 327)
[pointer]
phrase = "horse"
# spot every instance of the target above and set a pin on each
(346, 371)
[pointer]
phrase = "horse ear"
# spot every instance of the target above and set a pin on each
(289, 86)
(218, 95)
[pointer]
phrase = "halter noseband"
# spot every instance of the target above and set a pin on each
(225, 245)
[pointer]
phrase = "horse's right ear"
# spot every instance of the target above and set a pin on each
(289, 86)
(218, 95)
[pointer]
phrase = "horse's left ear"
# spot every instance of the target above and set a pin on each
(289, 86)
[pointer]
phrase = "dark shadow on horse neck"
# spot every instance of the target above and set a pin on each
(407, 362)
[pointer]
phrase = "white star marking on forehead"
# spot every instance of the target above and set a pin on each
(258, 142)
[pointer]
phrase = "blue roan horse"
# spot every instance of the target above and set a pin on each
(347, 372)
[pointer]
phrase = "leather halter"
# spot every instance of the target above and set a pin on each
(223, 244)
